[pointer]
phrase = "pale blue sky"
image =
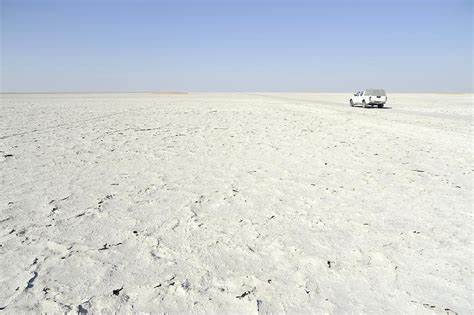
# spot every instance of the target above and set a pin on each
(264, 45)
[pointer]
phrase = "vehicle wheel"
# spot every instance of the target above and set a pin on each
(380, 106)
(352, 103)
(364, 104)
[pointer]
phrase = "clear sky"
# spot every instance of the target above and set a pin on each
(263, 45)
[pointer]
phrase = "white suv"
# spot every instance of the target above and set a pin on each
(369, 97)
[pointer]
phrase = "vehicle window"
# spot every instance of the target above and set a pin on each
(379, 93)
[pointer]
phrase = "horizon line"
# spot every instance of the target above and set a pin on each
(191, 92)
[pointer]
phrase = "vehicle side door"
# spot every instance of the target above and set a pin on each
(362, 96)
(357, 98)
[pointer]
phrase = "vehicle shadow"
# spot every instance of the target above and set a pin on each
(374, 107)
